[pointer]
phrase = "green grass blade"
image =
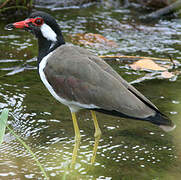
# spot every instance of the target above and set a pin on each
(3, 120)
(3, 126)
(29, 150)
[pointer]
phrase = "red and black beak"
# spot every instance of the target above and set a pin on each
(19, 25)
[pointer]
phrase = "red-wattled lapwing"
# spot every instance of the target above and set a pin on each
(81, 80)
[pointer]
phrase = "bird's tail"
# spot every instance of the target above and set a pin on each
(158, 119)
(162, 121)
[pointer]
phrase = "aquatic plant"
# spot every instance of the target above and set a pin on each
(3, 120)
(3, 126)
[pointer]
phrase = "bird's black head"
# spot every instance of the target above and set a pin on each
(45, 28)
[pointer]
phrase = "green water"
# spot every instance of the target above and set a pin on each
(128, 149)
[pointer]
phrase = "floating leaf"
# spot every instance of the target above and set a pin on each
(3, 120)
(147, 64)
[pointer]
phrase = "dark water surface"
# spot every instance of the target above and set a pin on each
(128, 149)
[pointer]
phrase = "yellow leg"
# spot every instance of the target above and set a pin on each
(77, 139)
(76, 127)
(97, 136)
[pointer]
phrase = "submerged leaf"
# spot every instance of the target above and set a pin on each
(3, 120)
(91, 39)
(147, 64)
(167, 74)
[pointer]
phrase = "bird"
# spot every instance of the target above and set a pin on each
(79, 79)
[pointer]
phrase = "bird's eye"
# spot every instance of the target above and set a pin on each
(38, 21)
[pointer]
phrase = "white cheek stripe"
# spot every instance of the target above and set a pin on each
(48, 33)
(73, 106)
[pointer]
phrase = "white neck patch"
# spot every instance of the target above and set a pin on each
(48, 33)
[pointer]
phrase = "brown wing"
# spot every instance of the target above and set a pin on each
(78, 76)
(111, 71)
